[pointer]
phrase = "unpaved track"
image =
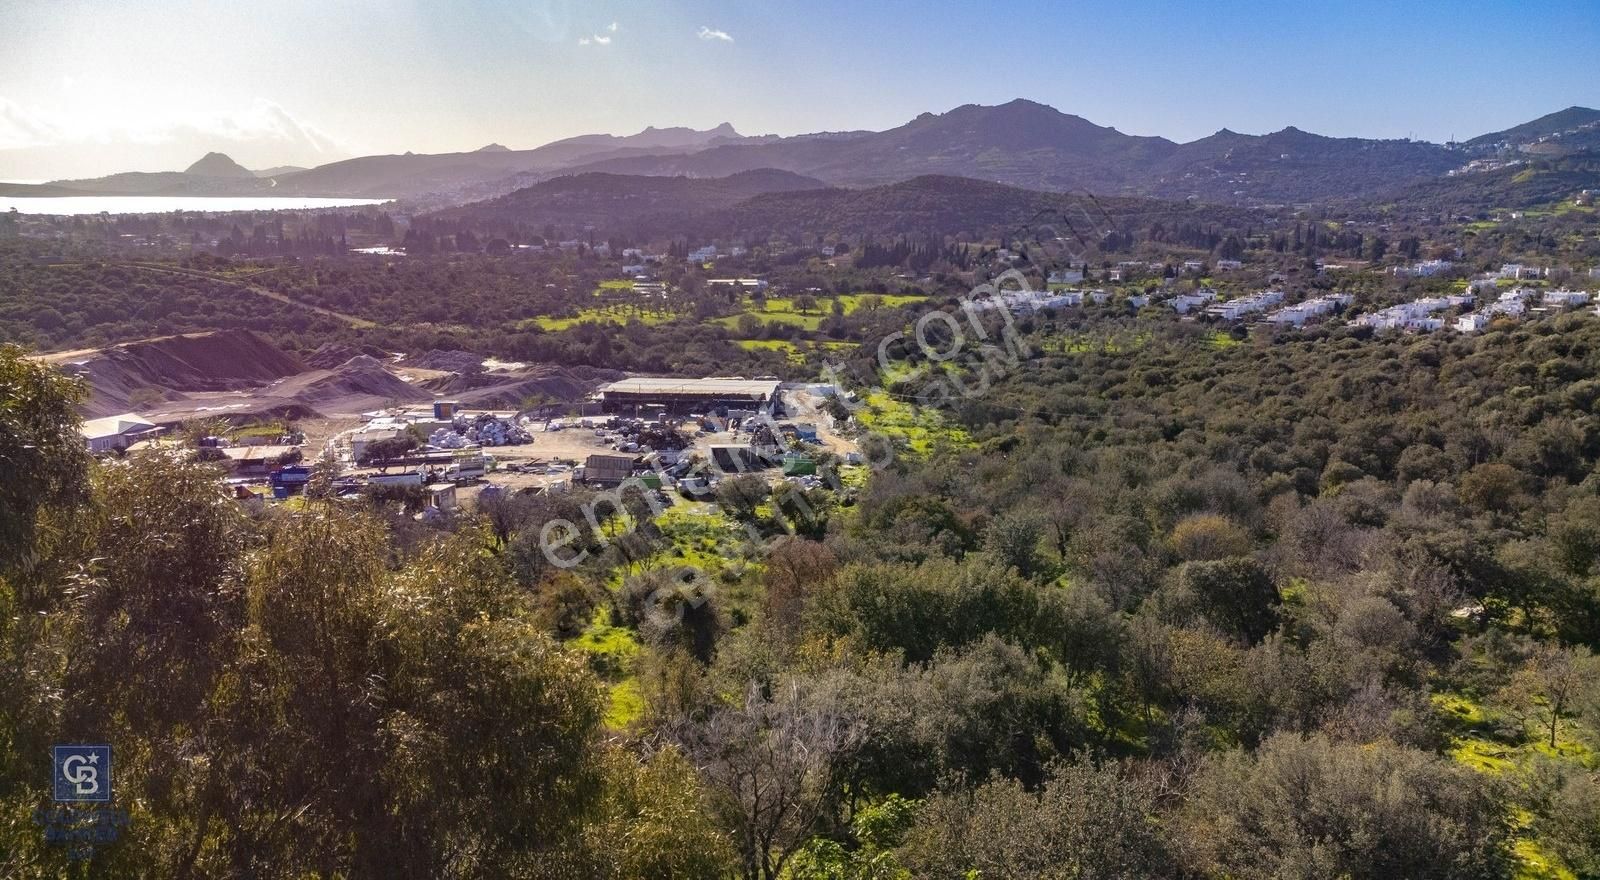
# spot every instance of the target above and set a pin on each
(256, 289)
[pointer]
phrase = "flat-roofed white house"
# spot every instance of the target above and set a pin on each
(1299, 313)
(1184, 302)
(1565, 297)
(1234, 309)
(116, 432)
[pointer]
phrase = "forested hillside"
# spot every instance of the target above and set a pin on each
(1144, 600)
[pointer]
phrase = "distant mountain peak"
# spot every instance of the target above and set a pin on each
(493, 148)
(218, 165)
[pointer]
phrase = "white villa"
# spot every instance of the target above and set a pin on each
(1297, 314)
(1183, 303)
(1234, 309)
(1565, 298)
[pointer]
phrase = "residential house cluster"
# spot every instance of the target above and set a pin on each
(1299, 313)
(1420, 314)
(1520, 272)
(1234, 309)
(1425, 268)
(1027, 301)
(1514, 302)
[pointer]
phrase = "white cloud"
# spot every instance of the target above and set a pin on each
(599, 39)
(22, 127)
(711, 34)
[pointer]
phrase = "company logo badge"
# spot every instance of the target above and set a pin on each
(82, 773)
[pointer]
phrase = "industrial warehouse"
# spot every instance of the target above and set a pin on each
(649, 395)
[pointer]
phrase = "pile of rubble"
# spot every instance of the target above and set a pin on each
(480, 430)
(447, 438)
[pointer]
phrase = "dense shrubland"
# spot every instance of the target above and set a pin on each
(1154, 604)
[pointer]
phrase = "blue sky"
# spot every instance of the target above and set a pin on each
(91, 87)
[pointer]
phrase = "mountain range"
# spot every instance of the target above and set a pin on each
(1020, 143)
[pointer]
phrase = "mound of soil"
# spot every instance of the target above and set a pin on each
(221, 361)
(169, 368)
(449, 361)
(360, 384)
(237, 374)
(549, 383)
(331, 354)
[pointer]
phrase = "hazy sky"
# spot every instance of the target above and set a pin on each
(93, 87)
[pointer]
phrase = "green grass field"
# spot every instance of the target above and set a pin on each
(782, 310)
(1477, 743)
(922, 429)
(613, 314)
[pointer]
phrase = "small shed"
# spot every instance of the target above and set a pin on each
(442, 496)
(604, 470)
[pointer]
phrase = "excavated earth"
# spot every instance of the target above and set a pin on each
(237, 374)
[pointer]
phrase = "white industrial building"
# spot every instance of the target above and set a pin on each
(116, 432)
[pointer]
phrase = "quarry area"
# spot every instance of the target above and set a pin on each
(434, 423)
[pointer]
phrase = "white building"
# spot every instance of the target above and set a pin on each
(1066, 276)
(116, 432)
(1518, 271)
(1297, 314)
(1565, 298)
(1414, 315)
(1234, 309)
(1028, 301)
(1183, 303)
(1229, 265)
(1474, 322)
(741, 283)
(1099, 296)
(1424, 269)
(705, 254)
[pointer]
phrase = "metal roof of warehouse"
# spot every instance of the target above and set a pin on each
(668, 385)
